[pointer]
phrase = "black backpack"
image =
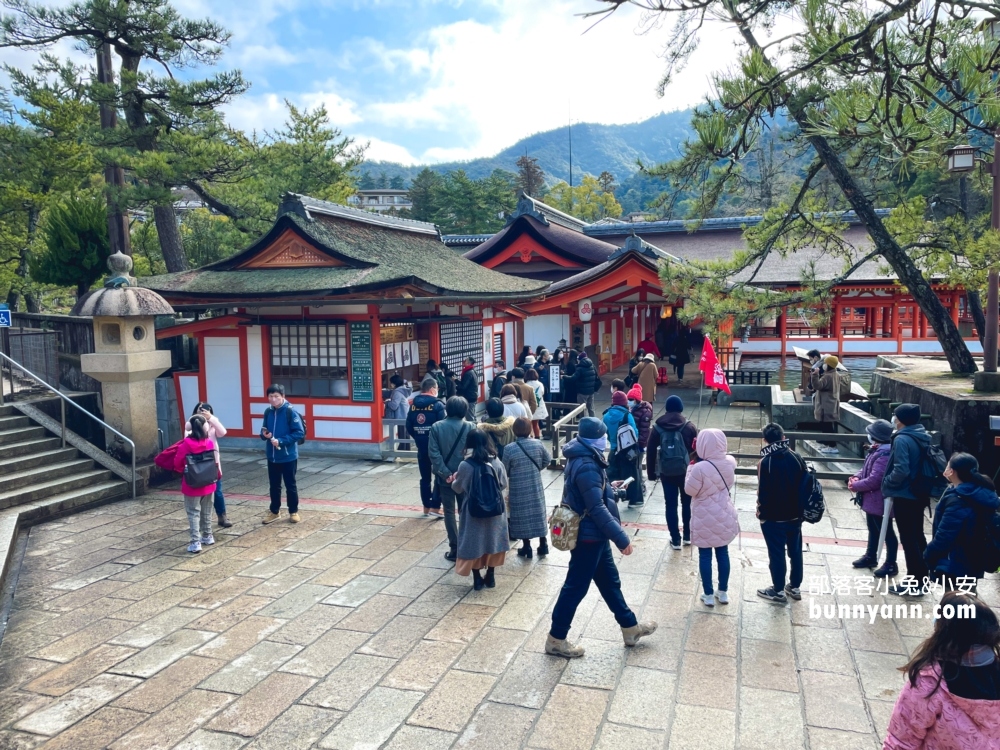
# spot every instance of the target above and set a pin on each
(291, 421)
(811, 504)
(673, 457)
(987, 543)
(200, 469)
(483, 496)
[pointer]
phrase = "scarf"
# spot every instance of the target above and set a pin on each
(767, 450)
(467, 368)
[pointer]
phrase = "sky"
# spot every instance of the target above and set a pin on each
(424, 81)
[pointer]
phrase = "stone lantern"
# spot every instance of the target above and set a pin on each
(125, 359)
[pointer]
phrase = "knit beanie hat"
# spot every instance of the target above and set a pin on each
(635, 394)
(832, 362)
(618, 398)
(592, 428)
(583, 355)
(907, 414)
(675, 404)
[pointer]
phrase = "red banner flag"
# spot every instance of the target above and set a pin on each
(714, 375)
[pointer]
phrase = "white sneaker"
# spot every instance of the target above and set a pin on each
(207, 539)
(194, 547)
(708, 600)
(722, 597)
(829, 451)
(673, 545)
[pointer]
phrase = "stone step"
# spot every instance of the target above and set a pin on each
(20, 434)
(47, 489)
(14, 421)
(29, 447)
(43, 473)
(32, 459)
(6, 411)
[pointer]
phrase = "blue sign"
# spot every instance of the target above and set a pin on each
(4, 317)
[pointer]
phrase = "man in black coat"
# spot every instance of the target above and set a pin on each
(586, 382)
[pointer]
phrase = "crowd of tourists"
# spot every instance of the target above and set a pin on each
(485, 479)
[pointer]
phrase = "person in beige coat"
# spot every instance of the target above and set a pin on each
(825, 383)
(645, 373)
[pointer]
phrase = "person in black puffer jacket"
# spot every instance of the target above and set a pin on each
(587, 491)
(586, 382)
(779, 480)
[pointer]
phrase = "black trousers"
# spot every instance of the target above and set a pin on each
(426, 475)
(910, 522)
(891, 542)
(283, 472)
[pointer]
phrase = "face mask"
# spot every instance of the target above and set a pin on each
(631, 404)
(600, 444)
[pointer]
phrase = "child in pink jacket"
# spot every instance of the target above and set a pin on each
(951, 698)
(197, 500)
(714, 523)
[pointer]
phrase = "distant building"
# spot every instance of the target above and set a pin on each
(382, 200)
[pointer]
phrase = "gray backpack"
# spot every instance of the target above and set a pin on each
(673, 457)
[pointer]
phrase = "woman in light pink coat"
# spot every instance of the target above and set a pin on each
(951, 697)
(714, 523)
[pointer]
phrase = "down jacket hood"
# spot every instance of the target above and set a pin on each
(977, 495)
(711, 445)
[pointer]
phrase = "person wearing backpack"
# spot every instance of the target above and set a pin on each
(197, 447)
(951, 697)
(714, 523)
(642, 413)
(482, 534)
(427, 410)
(282, 430)
(668, 454)
(645, 374)
(909, 499)
(780, 475)
(587, 491)
(433, 371)
(446, 447)
(215, 431)
(960, 543)
(623, 437)
(586, 382)
(524, 460)
(499, 427)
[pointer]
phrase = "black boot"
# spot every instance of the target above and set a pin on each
(543, 546)
(887, 569)
(477, 581)
(490, 581)
(865, 562)
(525, 549)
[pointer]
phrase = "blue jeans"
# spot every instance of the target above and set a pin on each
(779, 537)
(705, 566)
(283, 472)
(672, 487)
(220, 499)
(590, 561)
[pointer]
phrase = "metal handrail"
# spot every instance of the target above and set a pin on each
(62, 407)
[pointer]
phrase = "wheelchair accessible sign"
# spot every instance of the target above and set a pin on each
(4, 316)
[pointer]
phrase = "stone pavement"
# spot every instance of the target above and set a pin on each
(350, 630)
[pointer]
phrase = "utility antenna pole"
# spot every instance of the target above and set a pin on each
(570, 131)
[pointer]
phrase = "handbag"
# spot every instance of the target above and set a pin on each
(564, 525)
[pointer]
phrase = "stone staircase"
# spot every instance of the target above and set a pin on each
(36, 470)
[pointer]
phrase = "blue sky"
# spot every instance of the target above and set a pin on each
(435, 80)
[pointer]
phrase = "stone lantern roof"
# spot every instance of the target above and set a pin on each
(121, 296)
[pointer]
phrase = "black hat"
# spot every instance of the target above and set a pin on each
(907, 414)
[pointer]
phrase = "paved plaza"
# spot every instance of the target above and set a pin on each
(350, 630)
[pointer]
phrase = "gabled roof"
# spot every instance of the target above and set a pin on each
(356, 252)
(560, 239)
(634, 247)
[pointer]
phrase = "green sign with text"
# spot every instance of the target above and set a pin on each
(362, 363)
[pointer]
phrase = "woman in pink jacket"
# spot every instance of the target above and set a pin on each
(951, 698)
(714, 523)
(197, 500)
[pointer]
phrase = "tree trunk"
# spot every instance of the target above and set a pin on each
(978, 316)
(170, 238)
(114, 175)
(21, 272)
(954, 347)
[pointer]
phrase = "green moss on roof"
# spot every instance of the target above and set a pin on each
(377, 257)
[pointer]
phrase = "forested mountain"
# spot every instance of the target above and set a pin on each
(596, 148)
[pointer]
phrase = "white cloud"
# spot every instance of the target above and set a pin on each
(379, 150)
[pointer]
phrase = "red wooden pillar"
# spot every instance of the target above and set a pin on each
(897, 329)
(887, 329)
(782, 323)
(923, 325)
(915, 327)
(837, 328)
(869, 321)
(954, 307)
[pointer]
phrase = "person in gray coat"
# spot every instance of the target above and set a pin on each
(482, 542)
(524, 460)
(909, 445)
(447, 448)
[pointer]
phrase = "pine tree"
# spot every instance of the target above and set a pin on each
(530, 177)
(77, 244)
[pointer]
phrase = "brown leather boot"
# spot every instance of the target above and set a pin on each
(224, 521)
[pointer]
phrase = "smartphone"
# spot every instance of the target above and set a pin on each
(627, 482)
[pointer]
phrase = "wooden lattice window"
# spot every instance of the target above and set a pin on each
(310, 360)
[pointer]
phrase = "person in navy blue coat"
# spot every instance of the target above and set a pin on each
(959, 520)
(282, 430)
(588, 492)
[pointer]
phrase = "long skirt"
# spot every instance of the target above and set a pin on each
(482, 542)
